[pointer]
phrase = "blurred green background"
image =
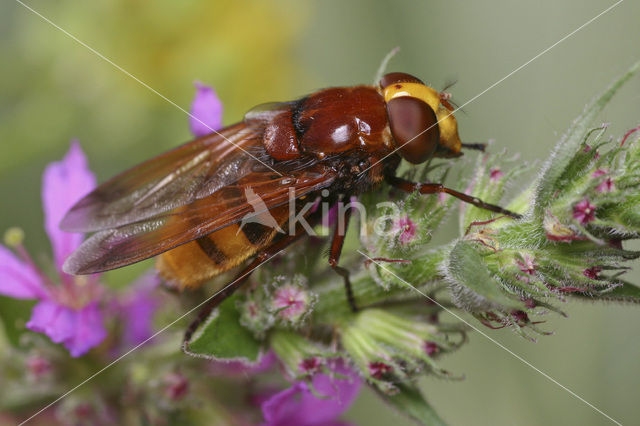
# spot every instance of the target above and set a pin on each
(53, 89)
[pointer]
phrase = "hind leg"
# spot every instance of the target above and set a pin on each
(264, 256)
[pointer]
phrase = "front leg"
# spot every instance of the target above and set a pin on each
(334, 257)
(435, 188)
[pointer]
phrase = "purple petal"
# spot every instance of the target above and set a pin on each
(299, 406)
(52, 319)
(18, 279)
(88, 332)
(138, 310)
(206, 111)
(63, 184)
(78, 330)
(332, 216)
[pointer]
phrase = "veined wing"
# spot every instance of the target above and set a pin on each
(137, 241)
(176, 178)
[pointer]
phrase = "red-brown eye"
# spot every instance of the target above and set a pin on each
(414, 127)
(398, 77)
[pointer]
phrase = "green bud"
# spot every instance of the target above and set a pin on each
(300, 357)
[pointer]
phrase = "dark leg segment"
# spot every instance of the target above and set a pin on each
(334, 257)
(434, 188)
(228, 290)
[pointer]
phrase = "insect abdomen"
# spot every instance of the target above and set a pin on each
(192, 264)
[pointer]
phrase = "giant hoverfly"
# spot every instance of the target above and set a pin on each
(184, 206)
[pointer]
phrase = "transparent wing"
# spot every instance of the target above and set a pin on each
(143, 239)
(176, 178)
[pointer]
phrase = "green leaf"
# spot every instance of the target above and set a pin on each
(409, 401)
(14, 313)
(473, 288)
(568, 146)
(222, 337)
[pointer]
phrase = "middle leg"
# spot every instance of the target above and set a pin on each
(334, 257)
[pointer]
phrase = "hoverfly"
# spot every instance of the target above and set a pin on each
(185, 205)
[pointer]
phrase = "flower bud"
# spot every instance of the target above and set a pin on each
(176, 386)
(388, 347)
(38, 367)
(291, 303)
(13, 237)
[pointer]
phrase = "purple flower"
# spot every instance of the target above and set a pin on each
(63, 183)
(584, 212)
(598, 173)
(68, 313)
(299, 405)
(138, 308)
(606, 185)
(406, 229)
(206, 111)
(78, 328)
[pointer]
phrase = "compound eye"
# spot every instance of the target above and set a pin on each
(414, 127)
(397, 77)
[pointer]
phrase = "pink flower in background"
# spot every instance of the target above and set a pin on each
(67, 311)
(406, 229)
(300, 406)
(584, 212)
(206, 111)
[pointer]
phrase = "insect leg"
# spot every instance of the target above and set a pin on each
(228, 290)
(434, 188)
(334, 257)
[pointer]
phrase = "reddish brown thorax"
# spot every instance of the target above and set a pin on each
(330, 121)
(402, 114)
(342, 119)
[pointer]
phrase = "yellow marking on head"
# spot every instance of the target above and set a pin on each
(415, 90)
(448, 124)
